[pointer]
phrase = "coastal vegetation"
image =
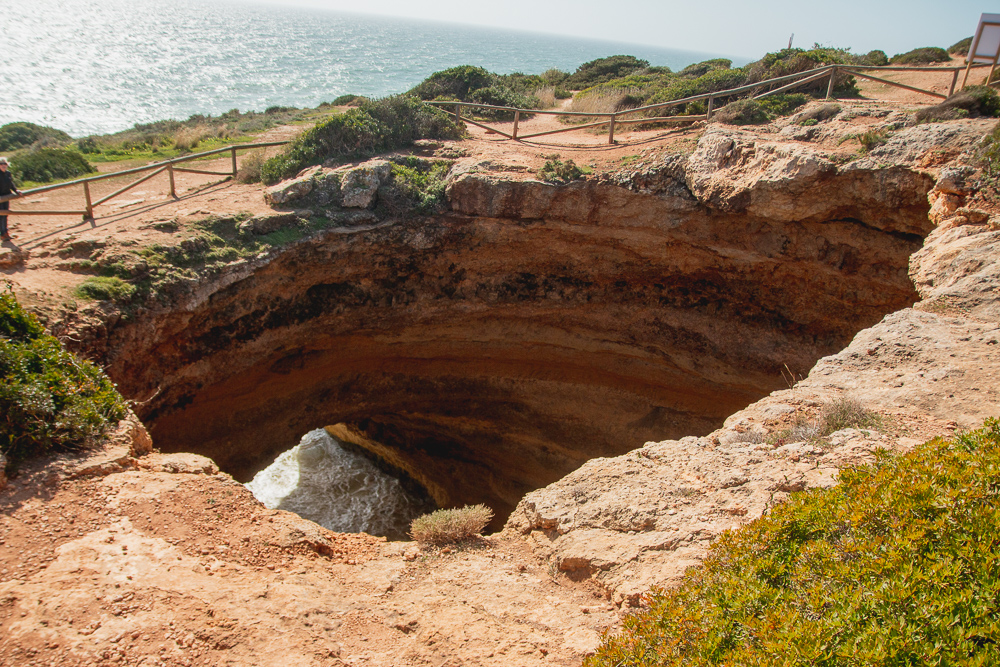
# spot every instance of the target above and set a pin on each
(897, 565)
(373, 127)
(925, 55)
(49, 399)
(449, 526)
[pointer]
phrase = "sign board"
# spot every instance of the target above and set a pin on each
(986, 44)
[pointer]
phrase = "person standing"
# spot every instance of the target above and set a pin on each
(6, 188)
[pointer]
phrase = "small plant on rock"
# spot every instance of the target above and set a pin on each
(557, 171)
(847, 412)
(451, 525)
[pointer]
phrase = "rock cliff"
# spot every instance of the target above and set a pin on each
(473, 346)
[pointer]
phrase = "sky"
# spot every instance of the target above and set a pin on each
(747, 28)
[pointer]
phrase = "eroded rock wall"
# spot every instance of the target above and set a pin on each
(496, 347)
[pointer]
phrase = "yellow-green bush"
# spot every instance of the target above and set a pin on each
(49, 399)
(898, 565)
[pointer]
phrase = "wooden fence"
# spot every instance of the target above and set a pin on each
(784, 83)
(155, 169)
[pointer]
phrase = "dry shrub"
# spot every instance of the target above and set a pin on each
(187, 138)
(604, 101)
(847, 412)
(546, 97)
(251, 166)
(455, 525)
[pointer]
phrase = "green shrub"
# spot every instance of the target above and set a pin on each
(602, 70)
(742, 112)
(448, 526)
(455, 83)
(373, 127)
(348, 100)
(49, 164)
(501, 97)
(22, 135)
(417, 186)
(782, 104)
(973, 102)
(557, 171)
(49, 399)
(696, 70)
(872, 139)
(898, 565)
(105, 288)
(961, 47)
(987, 154)
(819, 113)
(876, 58)
(922, 56)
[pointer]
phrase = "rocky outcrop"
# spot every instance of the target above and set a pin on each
(473, 344)
(640, 520)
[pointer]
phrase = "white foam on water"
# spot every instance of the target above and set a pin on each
(339, 489)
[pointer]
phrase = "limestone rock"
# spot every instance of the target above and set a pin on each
(359, 186)
(294, 189)
(179, 463)
(11, 257)
(133, 434)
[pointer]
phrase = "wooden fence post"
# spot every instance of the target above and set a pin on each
(89, 215)
(170, 172)
(833, 77)
(611, 131)
(517, 119)
(458, 113)
(954, 82)
(711, 103)
(234, 163)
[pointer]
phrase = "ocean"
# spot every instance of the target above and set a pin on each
(100, 66)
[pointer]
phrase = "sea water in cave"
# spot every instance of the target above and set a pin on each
(323, 481)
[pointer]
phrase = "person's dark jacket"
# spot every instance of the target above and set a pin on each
(6, 183)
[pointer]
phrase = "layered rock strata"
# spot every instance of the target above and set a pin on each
(495, 347)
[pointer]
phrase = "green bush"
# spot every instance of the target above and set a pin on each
(973, 102)
(348, 100)
(22, 135)
(49, 399)
(501, 97)
(898, 565)
(602, 70)
(922, 56)
(448, 526)
(742, 112)
(557, 171)
(696, 70)
(417, 186)
(455, 83)
(49, 164)
(374, 127)
(782, 104)
(105, 288)
(961, 47)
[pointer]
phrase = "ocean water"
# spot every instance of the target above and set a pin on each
(99, 66)
(337, 488)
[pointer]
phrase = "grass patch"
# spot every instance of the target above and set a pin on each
(372, 128)
(448, 526)
(743, 112)
(49, 399)
(898, 565)
(105, 288)
(872, 139)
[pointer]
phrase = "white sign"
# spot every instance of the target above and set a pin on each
(987, 41)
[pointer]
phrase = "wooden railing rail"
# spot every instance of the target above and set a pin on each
(155, 168)
(791, 82)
